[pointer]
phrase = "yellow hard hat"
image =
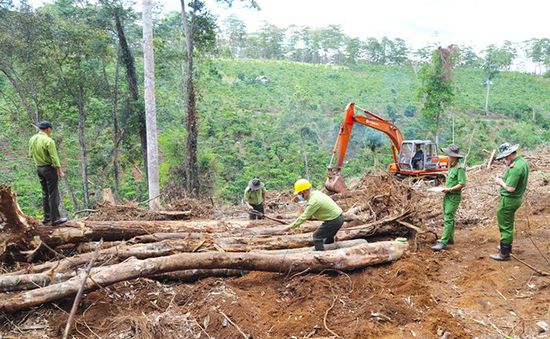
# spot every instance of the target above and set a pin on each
(301, 185)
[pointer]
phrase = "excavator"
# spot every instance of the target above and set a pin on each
(411, 158)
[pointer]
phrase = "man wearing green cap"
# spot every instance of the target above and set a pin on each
(321, 207)
(48, 167)
(512, 183)
(456, 181)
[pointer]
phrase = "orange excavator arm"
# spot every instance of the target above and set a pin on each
(335, 182)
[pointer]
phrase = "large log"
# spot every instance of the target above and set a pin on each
(342, 259)
(188, 276)
(245, 244)
(112, 254)
(277, 239)
(194, 275)
(85, 231)
(47, 273)
(328, 247)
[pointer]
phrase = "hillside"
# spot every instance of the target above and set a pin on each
(270, 118)
(298, 107)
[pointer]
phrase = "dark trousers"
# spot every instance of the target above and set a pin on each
(328, 230)
(259, 208)
(50, 191)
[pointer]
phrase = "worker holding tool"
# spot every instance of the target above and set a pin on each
(512, 183)
(456, 181)
(48, 167)
(254, 197)
(322, 207)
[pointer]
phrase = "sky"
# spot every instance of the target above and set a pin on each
(473, 22)
(476, 23)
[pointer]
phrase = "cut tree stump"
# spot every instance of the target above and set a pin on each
(346, 259)
(16, 228)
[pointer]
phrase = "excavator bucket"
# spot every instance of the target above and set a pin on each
(336, 184)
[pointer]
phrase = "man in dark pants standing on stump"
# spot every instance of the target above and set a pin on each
(513, 183)
(254, 196)
(322, 207)
(44, 153)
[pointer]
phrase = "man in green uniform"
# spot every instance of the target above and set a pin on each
(254, 196)
(456, 181)
(44, 153)
(322, 207)
(513, 184)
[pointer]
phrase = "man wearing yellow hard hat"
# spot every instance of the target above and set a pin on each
(322, 207)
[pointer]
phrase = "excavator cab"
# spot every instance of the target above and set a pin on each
(418, 155)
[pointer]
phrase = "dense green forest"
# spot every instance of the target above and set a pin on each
(267, 107)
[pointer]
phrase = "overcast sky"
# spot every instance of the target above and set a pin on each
(473, 22)
(419, 22)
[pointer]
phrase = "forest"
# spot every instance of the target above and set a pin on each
(268, 103)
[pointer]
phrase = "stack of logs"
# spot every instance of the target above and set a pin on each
(183, 250)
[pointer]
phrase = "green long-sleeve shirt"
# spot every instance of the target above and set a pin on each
(456, 175)
(43, 151)
(320, 206)
(516, 176)
(254, 197)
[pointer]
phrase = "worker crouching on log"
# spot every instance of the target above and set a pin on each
(456, 181)
(254, 196)
(48, 167)
(322, 207)
(513, 183)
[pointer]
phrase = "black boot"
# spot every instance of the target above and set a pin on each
(498, 248)
(504, 253)
(319, 245)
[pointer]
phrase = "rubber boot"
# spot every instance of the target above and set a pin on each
(504, 253)
(319, 245)
(498, 248)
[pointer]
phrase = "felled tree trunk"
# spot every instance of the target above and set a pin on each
(52, 272)
(188, 276)
(341, 259)
(247, 243)
(328, 247)
(112, 255)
